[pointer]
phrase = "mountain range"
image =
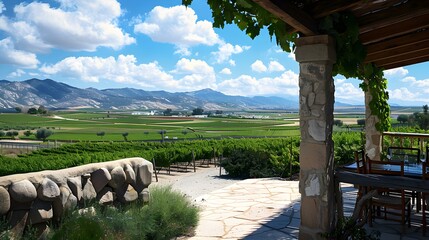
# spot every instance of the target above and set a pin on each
(57, 95)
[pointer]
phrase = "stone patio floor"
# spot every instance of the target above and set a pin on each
(270, 209)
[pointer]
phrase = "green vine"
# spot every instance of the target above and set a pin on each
(251, 18)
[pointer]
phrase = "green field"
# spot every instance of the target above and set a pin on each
(82, 126)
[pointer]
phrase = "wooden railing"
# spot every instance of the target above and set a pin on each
(402, 139)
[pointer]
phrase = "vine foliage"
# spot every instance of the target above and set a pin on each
(251, 18)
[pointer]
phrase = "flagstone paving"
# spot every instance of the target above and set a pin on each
(270, 209)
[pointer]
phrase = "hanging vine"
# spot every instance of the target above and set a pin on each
(251, 18)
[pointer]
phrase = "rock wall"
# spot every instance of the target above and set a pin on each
(35, 198)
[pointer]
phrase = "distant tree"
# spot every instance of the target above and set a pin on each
(219, 112)
(338, 122)
(184, 132)
(43, 133)
(361, 122)
(2, 134)
(146, 132)
(15, 133)
(125, 135)
(28, 133)
(168, 112)
(198, 111)
(9, 134)
(32, 110)
(402, 118)
(162, 132)
(101, 134)
(42, 110)
(425, 109)
(18, 109)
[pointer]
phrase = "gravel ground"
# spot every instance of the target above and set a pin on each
(195, 184)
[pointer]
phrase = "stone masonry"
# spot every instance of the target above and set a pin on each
(372, 135)
(316, 56)
(38, 197)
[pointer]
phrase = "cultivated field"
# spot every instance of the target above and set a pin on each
(83, 126)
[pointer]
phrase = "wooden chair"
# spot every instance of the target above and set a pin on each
(425, 196)
(362, 168)
(392, 199)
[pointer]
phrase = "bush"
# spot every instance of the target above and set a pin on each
(168, 214)
(43, 133)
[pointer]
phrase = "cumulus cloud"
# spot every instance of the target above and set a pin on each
(177, 25)
(231, 62)
(76, 25)
(245, 85)
(347, 92)
(275, 66)
(197, 74)
(194, 74)
(226, 71)
(10, 55)
(226, 50)
(396, 72)
(402, 94)
(16, 74)
(258, 66)
(2, 7)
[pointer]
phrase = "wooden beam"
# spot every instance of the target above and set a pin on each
(393, 15)
(374, 6)
(291, 15)
(403, 63)
(419, 48)
(324, 8)
(391, 44)
(395, 30)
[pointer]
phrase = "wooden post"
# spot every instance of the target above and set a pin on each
(193, 160)
(154, 167)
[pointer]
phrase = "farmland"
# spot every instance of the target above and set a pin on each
(84, 126)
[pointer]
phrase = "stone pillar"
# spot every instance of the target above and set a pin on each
(372, 135)
(316, 56)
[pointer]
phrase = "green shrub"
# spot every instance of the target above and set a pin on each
(168, 214)
(345, 144)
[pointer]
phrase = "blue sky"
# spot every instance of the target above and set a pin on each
(161, 45)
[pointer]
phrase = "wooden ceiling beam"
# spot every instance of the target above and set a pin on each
(372, 6)
(291, 15)
(391, 44)
(393, 15)
(395, 30)
(324, 8)
(403, 60)
(412, 49)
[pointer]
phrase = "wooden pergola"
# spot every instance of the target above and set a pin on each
(394, 33)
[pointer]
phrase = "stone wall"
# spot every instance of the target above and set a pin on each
(38, 197)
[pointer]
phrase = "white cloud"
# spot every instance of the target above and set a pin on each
(275, 66)
(396, 72)
(16, 74)
(194, 74)
(291, 55)
(258, 66)
(347, 92)
(245, 85)
(177, 25)
(2, 7)
(403, 94)
(124, 69)
(226, 50)
(226, 71)
(77, 25)
(10, 55)
(197, 74)
(231, 62)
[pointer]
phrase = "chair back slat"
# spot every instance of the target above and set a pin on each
(386, 168)
(361, 161)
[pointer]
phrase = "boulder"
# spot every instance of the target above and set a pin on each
(4, 201)
(144, 176)
(75, 185)
(126, 193)
(48, 190)
(118, 177)
(100, 178)
(23, 191)
(65, 202)
(88, 192)
(144, 195)
(18, 221)
(106, 196)
(41, 212)
(130, 174)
